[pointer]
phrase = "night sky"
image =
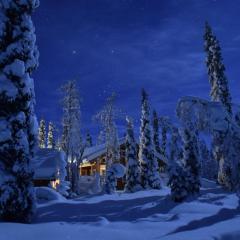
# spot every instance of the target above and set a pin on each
(125, 45)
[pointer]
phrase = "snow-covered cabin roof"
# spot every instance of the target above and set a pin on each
(94, 152)
(46, 163)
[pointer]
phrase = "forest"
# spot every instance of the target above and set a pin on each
(179, 179)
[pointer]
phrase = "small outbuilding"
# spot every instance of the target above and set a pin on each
(48, 166)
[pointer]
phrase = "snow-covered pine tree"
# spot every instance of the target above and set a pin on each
(208, 163)
(237, 118)
(89, 142)
(58, 138)
(71, 137)
(178, 182)
(148, 163)
(115, 149)
(107, 117)
(216, 70)
(133, 182)
(145, 152)
(18, 125)
(42, 134)
(178, 177)
(164, 127)
(191, 159)
(51, 136)
(156, 132)
(219, 93)
(156, 143)
(175, 145)
(113, 157)
(224, 152)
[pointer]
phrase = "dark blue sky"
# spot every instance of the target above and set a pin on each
(124, 45)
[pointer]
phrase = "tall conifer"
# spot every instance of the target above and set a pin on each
(18, 125)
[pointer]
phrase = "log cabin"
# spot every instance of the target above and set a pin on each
(94, 161)
(48, 164)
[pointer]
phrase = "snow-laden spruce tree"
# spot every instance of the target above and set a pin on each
(184, 178)
(71, 135)
(42, 134)
(164, 125)
(178, 181)
(175, 147)
(89, 142)
(216, 70)
(51, 136)
(156, 133)
(58, 141)
(237, 118)
(191, 158)
(133, 176)
(113, 158)
(178, 176)
(107, 117)
(18, 125)
(115, 149)
(156, 142)
(228, 164)
(219, 93)
(208, 163)
(148, 163)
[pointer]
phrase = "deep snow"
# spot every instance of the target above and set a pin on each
(144, 215)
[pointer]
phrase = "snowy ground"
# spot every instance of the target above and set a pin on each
(145, 215)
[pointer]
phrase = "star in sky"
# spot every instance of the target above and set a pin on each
(159, 46)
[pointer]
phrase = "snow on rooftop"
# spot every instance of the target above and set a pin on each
(46, 163)
(92, 153)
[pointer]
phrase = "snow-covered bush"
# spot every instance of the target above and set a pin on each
(110, 182)
(118, 169)
(96, 186)
(90, 184)
(45, 194)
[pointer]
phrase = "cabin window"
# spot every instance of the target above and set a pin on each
(54, 184)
